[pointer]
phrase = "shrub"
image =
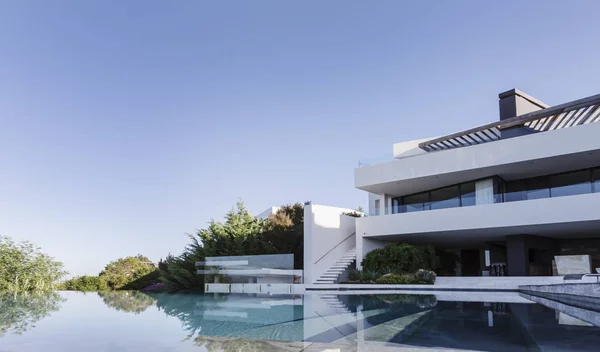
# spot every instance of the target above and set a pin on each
(23, 267)
(84, 284)
(354, 275)
(426, 275)
(368, 276)
(406, 279)
(400, 258)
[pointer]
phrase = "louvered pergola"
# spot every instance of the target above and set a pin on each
(575, 113)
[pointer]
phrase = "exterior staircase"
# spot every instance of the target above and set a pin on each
(332, 274)
(335, 304)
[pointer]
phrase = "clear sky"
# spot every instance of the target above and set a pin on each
(125, 125)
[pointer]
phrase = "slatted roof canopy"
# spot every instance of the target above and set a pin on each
(575, 113)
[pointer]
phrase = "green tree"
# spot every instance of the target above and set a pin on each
(238, 235)
(127, 301)
(20, 311)
(129, 273)
(84, 284)
(284, 233)
(23, 267)
(178, 273)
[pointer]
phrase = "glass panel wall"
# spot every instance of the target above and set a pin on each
(513, 191)
(596, 180)
(537, 188)
(496, 190)
(559, 185)
(416, 202)
(467, 194)
(443, 198)
(571, 184)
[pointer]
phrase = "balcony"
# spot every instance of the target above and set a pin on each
(514, 158)
(559, 217)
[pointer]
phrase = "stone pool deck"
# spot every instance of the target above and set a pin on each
(280, 346)
(444, 283)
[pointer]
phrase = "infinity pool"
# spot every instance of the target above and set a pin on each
(135, 321)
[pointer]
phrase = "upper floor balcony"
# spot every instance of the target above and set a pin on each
(536, 154)
(574, 216)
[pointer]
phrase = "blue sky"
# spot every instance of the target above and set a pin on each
(125, 125)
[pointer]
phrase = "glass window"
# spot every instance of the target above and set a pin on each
(513, 191)
(467, 194)
(395, 206)
(417, 202)
(571, 184)
(537, 188)
(443, 198)
(596, 180)
(377, 206)
(498, 186)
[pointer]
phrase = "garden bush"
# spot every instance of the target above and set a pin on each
(405, 279)
(399, 258)
(426, 275)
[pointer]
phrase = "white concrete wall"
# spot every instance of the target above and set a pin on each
(372, 198)
(409, 148)
(265, 214)
(327, 236)
(548, 211)
(549, 151)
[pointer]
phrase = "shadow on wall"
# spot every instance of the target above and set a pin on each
(328, 235)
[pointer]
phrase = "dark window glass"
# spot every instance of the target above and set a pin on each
(498, 186)
(513, 191)
(467, 194)
(570, 184)
(597, 180)
(417, 202)
(395, 206)
(537, 188)
(443, 198)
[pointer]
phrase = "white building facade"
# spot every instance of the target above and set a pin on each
(511, 194)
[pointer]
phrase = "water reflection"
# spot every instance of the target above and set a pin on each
(127, 301)
(21, 311)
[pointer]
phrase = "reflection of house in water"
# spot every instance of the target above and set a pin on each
(480, 321)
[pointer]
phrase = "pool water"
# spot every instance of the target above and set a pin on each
(135, 321)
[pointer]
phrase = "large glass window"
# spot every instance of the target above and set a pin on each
(467, 194)
(513, 191)
(537, 188)
(496, 190)
(396, 206)
(417, 202)
(443, 198)
(571, 184)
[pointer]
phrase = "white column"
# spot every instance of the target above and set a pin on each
(385, 204)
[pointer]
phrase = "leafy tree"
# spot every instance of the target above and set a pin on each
(127, 301)
(19, 312)
(238, 235)
(84, 284)
(179, 273)
(23, 267)
(129, 273)
(284, 233)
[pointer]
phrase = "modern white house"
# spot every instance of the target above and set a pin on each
(516, 197)
(506, 197)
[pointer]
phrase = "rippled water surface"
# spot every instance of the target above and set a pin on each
(135, 321)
